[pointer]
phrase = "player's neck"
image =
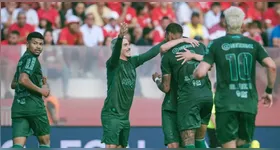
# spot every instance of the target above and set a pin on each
(233, 32)
(123, 58)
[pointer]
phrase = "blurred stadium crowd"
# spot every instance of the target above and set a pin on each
(92, 24)
(78, 35)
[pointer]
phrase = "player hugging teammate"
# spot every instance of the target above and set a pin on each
(193, 97)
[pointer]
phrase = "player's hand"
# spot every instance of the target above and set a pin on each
(44, 80)
(193, 42)
(123, 30)
(45, 91)
(155, 75)
(267, 100)
(186, 56)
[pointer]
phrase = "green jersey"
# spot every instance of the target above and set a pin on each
(121, 79)
(27, 102)
(170, 98)
(189, 89)
(235, 57)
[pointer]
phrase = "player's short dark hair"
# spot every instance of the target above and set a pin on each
(195, 14)
(36, 35)
(214, 4)
(174, 28)
(15, 32)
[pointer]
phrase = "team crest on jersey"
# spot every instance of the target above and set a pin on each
(226, 46)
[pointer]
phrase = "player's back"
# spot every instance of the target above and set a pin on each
(189, 89)
(235, 57)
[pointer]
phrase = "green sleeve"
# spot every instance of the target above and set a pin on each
(165, 65)
(151, 53)
(261, 53)
(30, 65)
(114, 59)
(209, 56)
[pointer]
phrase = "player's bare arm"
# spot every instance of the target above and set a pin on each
(164, 83)
(186, 56)
(270, 66)
(201, 70)
(168, 45)
(13, 84)
(26, 82)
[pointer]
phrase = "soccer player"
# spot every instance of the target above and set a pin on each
(169, 108)
(236, 97)
(121, 76)
(28, 109)
(194, 97)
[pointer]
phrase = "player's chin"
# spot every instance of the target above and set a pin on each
(128, 54)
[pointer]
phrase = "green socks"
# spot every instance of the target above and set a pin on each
(244, 146)
(200, 143)
(17, 146)
(189, 146)
(44, 146)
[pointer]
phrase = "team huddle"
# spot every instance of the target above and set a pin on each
(188, 101)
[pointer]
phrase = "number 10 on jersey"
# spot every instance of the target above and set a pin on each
(240, 66)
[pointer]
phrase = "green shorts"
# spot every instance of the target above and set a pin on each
(169, 127)
(30, 125)
(191, 116)
(232, 125)
(115, 131)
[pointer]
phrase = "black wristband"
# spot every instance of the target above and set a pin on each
(268, 90)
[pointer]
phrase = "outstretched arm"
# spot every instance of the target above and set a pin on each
(168, 45)
(117, 46)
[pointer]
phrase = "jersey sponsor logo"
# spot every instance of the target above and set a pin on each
(227, 46)
(178, 49)
(128, 83)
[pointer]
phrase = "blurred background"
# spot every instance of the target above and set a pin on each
(78, 36)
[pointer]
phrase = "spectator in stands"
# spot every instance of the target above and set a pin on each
(115, 6)
(44, 25)
(31, 14)
(219, 29)
(9, 14)
(92, 34)
(164, 10)
(195, 28)
(53, 62)
(99, 11)
(136, 34)
(112, 28)
(159, 34)
(9, 59)
(71, 34)
(254, 32)
(143, 16)
(13, 38)
(183, 12)
(272, 16)
(146, 39)
(65, 6)
(275, 37)
(128, 15)
(78, 9)
(52, 14)
(256, 12)
(22, 27)
(212, 17)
